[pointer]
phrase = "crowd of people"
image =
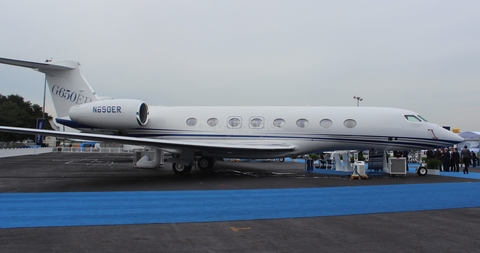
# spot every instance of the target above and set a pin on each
(451, 158)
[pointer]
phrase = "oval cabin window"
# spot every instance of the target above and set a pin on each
(326, 123)
(256, 123)
(212, 122)
(191, 121)
(349, 123)
(279, 122)
(234, 122)
(302, 123)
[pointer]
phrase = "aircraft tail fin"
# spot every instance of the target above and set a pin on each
(66, 83)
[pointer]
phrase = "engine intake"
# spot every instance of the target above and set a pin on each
(112, 114)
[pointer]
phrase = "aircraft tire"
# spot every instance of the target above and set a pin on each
(181, 169)
(422, 171)
(205, 163)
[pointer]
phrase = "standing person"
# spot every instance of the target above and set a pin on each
(430, 154)
(452, 164)
(474, 159)
(446, 160)
(466, 158)
(456, 160)
(438, 156)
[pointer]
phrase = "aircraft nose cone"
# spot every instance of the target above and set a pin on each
(452, 137)
(447, 135)
(457, 138)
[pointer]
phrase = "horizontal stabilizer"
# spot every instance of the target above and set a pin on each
(40, 66)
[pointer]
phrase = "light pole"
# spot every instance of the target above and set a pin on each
(358, 100)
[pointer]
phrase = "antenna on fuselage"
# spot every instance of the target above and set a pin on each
(358, 100)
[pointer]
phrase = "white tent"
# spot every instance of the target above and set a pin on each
(472, 141)
(470, 135)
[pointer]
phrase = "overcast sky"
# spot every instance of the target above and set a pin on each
(418, 55)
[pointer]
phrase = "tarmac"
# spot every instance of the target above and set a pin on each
(98, 202)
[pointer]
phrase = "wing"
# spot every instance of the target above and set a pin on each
(175, 146)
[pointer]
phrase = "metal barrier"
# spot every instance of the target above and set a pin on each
(92, 150)
(10, 152)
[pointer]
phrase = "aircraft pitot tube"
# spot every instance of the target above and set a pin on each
(112, 114)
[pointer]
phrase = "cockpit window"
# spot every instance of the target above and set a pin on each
(422, 118)
(412, 118)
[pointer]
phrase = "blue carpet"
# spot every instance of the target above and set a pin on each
(19, 210)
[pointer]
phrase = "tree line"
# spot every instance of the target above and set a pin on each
(16, 112)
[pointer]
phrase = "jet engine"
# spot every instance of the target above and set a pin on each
(111, 114)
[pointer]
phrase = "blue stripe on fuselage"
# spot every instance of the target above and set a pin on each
(402, 141)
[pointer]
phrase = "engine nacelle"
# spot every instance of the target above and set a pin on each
(111, 114)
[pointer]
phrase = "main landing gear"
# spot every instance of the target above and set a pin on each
(203, 163)
(180, 168)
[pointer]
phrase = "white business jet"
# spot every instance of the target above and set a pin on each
(204, 134)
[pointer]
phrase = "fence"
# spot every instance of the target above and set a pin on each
(9, 152)
(92, 150)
